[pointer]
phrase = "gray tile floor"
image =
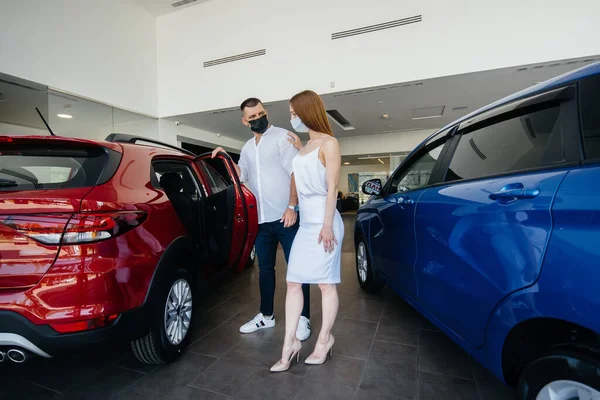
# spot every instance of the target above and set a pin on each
(384, 350)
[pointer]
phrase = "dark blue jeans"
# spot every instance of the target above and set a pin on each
(269, 235)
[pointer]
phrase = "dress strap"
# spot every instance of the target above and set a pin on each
(317, 158)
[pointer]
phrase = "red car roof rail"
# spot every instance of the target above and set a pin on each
(132, 139)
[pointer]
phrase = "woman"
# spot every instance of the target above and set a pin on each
(316, 253)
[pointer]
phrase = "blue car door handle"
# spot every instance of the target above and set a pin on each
(515, 194)
(405, 200)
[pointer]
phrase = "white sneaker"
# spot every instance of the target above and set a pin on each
(259, 322)
(303, 330)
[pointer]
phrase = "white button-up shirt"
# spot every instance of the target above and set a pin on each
(266, 168)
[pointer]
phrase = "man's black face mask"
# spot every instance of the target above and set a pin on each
(259, 125)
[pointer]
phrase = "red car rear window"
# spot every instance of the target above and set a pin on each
(34, 167)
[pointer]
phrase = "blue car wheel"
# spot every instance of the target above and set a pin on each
(562, 375)
(367, 278)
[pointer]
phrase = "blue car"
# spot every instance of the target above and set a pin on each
(491, 229)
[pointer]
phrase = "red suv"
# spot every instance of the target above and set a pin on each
(103, 240)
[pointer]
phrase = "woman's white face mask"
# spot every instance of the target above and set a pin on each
(298, 125)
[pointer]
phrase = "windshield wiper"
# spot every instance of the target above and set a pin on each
(7, 183)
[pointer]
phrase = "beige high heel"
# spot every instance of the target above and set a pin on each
(282, 367)
(312, 360)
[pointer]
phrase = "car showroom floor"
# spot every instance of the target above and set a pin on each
(383, 350)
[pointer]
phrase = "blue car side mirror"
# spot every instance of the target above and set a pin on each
(372, 187)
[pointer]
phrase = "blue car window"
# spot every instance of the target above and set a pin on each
(528, 141)
(590, 115)
(418, 174)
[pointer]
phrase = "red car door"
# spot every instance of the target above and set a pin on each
(231, 211)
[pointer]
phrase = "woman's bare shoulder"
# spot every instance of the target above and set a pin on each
(330, 146)
(330, 142)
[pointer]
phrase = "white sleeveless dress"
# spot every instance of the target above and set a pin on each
(309, 262)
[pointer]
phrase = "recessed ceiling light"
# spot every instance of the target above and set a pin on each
(346, 163)
(66, 116)
(371, 157)
(380, 102)
(429, 117)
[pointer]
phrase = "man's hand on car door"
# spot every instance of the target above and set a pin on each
(217, 151)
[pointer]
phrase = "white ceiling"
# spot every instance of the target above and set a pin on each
(365, 109)
(160, 7)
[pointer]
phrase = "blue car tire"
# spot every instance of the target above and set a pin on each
(566, 374)
(367, 278)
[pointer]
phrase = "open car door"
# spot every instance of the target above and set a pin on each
(231, 218)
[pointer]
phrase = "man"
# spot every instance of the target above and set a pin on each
(265, 165)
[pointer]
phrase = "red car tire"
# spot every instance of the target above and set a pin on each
(171, 322)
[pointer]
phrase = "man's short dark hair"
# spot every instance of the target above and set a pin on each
(251, 102)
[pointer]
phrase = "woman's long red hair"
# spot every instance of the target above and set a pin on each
(311, 110)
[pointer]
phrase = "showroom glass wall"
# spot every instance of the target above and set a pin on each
(67, 115)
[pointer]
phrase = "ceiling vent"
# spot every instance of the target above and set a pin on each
(237, 57)
(355, 92)
(378, 27)
(223, 111)
(378, 89)
(228, 110)
(428, 112)
(339, 120)
(556, 64)
(183, 3)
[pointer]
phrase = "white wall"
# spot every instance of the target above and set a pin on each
(382, 143)
(455, 37)
(148, 128)
(104, 50)
(12, 129)
(173, 134)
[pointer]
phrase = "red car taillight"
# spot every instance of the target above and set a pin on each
(71, 327)
(68, 229)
